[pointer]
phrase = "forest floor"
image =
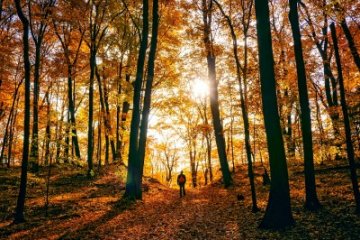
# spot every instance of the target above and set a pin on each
(90, 209)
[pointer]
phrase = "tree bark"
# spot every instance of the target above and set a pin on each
(243, 105)
(11, 135)
(214, 98)
(91, 111)
(148, 92)
(349, 145)
(47, 130)
(278, 212)
(351, 43)
(10, 119)
(75, 140)
(132, 184)
(38, 40)
(19, 212)
(34, 154)
(311, 203)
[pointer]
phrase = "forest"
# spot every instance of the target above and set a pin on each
(250, 107)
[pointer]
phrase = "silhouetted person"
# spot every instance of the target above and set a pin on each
(181, 180)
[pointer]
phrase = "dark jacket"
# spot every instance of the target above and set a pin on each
(178, 178)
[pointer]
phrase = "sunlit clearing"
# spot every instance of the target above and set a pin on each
(200, 88)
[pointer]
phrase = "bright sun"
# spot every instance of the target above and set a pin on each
(200, 88)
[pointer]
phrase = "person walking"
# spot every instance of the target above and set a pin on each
(181, 180)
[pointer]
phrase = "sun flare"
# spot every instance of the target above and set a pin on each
(200, 88)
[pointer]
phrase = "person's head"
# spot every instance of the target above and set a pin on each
(181, 172)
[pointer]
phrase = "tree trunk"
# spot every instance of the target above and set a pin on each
(104, 116)
(243, 104)
(218, 128)
(148, 91)
(214, 98)
(34, 154)
(98, 151)
(48, 130)
(349, 145)
(208, 144)
(311, 203)
(132, 184)
(19, 212)
(11, 135)
(351, 43)
(10, 120)
(232, 142)
(118, 109)
(67, 138)
(75, 140)
(108, 120)
(91, 111)
(278, 212)
(59, 136)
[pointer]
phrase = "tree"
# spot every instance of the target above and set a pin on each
(348, 36)
(38, 30)
(169, 159)
(99, 20)
(311, 202)
(66, 38)
(278, 212)
(243, 102)
(105, 112)
(213, 88)
(324, 50)
(19, 212)
(132, 185)
(349, 146)
(148, 90)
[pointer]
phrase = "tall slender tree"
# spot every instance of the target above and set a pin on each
(349, 145)
(148, 91)
(278, 212)
(207, 6)
(19, 212)
(98, 11)
(65, 33)
(243, 102)
(38, 31)
(311, 201)
(132, 183)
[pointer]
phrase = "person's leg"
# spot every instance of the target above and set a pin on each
(180, 191)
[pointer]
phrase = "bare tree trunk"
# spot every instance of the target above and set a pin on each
(278, 212)
(243, 105)
(34, 154)
(48, 130)
(75, 140)
(90, 149)
(98, 152)
(349, 145)
(214, 98)
(11, 136)
(148, 92)
(19, 212)
(311, 203)
(351, 43)
(67, 138)
(10, 120)
(132, 184)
